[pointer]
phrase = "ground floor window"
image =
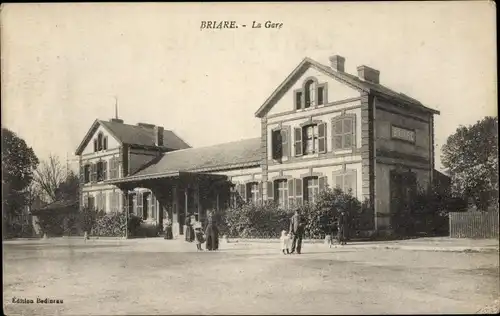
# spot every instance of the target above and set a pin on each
(311, 189)
(253, 192)
(114, 203)
(281, 193)
(346, 181)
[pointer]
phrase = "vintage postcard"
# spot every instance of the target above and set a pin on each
(249, 158)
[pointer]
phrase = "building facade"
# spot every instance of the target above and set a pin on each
(321, 127)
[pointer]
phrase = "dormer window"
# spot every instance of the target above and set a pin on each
(311, 95)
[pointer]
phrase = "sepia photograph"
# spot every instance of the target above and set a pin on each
(302, 158)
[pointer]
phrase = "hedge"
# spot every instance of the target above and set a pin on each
(267, 220)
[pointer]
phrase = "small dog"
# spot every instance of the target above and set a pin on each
(285, 242)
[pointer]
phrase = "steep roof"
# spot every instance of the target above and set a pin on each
(134, 135)
(346, 78)
(243, 153)
(142, 135)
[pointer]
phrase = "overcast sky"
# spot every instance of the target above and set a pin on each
(62, 64)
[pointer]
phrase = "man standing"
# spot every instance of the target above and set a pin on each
(342, 228)
(297, 229)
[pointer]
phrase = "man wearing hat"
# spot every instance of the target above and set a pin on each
(297, 230)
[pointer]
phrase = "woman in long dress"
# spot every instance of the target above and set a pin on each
(212, 234)
(168, 228)
(189, 233)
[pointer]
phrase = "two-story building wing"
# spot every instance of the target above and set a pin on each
(321, 127)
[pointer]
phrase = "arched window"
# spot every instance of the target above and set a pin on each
(310, 93)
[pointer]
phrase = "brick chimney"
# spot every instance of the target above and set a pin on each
(115, 120)
(368, 74)
(337, 63)
(158, 135)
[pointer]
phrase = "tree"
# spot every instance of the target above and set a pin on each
(471, 157)
(49, 177)
(18, 164)
(68, 189)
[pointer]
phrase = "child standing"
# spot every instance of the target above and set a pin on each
(285, 242)
(199, 236)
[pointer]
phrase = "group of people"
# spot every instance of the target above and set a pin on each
(194, 232)
(210, 236)
(297, 228)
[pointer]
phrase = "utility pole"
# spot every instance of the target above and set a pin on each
(116, 107)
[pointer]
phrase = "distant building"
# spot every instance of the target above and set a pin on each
(321, 126)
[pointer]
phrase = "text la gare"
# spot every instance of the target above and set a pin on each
(267, 25)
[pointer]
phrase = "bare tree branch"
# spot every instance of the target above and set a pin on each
(49, 176)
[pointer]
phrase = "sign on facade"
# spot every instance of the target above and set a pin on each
(403, 134)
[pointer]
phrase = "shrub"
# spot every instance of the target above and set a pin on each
(134, 225)
(248, 220)
(320, 216)
(16, 229)
(428, 213)
(110, 225)
(87, 218)
(51, 224)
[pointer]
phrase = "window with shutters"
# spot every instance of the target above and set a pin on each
(86, 173)
(310, 139)
(277, 144)
(346, 181)
(105, 143)
(100, 141)
(113, 168)
(253, 192)
(344, 132)
(95, 145)
(93, 172)
(280, 143)
(281, 193)
(311, 189)
(101, 170)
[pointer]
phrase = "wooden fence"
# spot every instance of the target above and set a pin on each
(474, 224)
